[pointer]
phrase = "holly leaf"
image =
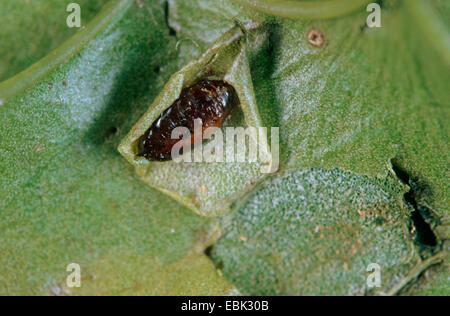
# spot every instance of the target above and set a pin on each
(68, 196)
(369, 103)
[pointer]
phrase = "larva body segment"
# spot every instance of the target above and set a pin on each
(208, 100)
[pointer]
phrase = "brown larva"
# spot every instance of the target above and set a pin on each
(208, 100)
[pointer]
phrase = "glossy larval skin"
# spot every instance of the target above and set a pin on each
(208, 100)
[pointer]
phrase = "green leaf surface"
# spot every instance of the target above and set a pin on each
(365, 98)
(372, 101)
(31, 29)
(315, 232)
(68, 196)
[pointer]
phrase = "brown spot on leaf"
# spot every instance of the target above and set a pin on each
(316, 38)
